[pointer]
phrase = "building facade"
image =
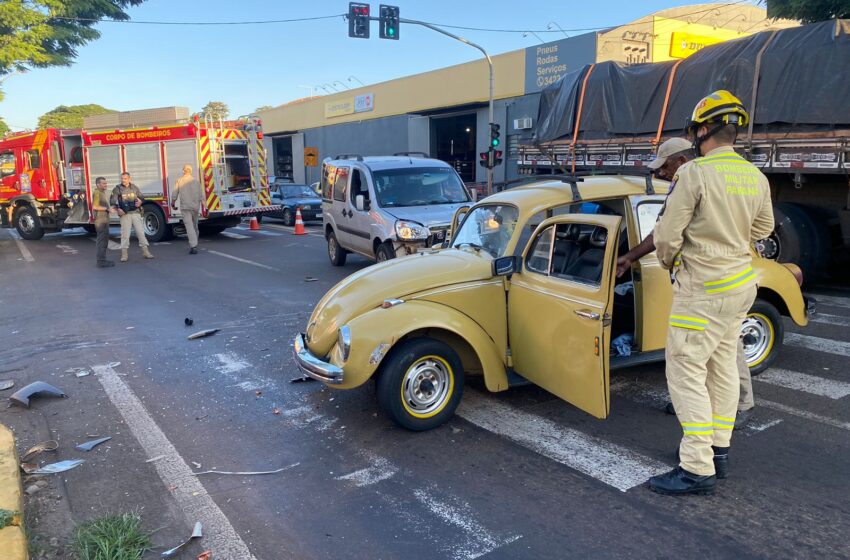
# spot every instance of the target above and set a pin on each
(444, 113)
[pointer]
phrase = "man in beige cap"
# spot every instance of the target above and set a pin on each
(671, 155)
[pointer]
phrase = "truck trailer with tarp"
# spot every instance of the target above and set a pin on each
(794, 82)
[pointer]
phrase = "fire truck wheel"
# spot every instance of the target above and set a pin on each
(28, 223)
(156, 228)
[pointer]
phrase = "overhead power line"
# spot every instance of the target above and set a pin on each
(141, 22)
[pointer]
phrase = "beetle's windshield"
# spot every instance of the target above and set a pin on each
(488, 227)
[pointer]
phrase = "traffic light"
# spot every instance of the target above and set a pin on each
(484, 159)
(388, 22)
(358, 20)
(494, 135)
(497, 157)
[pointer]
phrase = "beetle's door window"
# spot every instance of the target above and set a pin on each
(540, 254)
(576, 252)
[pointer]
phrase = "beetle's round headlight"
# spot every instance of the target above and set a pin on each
(344, 341)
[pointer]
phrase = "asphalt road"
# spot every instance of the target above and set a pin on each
(515, 475)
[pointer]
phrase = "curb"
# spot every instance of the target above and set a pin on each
(13, 541)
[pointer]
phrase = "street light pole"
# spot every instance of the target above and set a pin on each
(489, 63)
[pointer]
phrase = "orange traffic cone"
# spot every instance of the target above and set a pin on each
(299, 223)
(255, 224)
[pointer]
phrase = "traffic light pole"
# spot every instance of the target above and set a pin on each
(489, 63)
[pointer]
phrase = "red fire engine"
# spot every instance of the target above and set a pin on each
(47, 176)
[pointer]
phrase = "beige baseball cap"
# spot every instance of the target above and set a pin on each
(667, 149)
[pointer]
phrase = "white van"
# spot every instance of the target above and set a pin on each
(387, 206)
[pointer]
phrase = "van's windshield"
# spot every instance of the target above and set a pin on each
(418, 186)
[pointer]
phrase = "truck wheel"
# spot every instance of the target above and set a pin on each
(156, 228)
(420, 383)
(335, 253)
(799, 239)
(384, 252)
(28, 223)
(761, 333)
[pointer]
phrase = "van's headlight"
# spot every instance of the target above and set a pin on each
(343, 340)
(411, 231)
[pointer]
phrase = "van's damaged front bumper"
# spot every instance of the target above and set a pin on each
(313, 366)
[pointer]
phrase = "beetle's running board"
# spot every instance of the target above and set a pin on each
(636, 359)
(516, 380)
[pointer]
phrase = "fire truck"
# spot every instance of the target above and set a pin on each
(47, 176)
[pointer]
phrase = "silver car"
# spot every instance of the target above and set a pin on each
(387, 206)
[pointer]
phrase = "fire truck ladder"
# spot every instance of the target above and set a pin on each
(215, 129)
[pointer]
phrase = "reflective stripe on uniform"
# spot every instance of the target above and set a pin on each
(739, 279)
(693, 323)
(724, 423)
(697, 429)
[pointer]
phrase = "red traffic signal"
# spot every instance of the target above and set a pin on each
(358, 20)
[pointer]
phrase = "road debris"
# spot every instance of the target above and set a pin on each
(302, 379)
(196, 465)
(206, 555)
(242, 473)
(49, 445)
(197, 533)
(113, 364)
(188, 321)
(29, 468)
(59, 467)
(276, 411)
(310, 279)
(157, 458)
(37, 389)
(89, 445)
(202, 334)
(258, 394)
(6, 384)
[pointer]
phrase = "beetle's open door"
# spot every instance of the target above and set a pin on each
(559, 309)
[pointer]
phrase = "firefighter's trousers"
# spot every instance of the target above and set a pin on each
(132, 220)
(702, 373)
(190, 220)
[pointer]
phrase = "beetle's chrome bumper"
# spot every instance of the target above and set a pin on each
(313, 366)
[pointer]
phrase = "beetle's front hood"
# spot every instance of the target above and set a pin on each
(393, 279)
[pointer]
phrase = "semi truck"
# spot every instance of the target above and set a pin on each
(611, 117)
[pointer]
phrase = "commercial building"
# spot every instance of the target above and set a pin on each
(444, 112)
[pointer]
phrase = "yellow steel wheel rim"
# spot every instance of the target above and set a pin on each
(760, 326)
(427, 386)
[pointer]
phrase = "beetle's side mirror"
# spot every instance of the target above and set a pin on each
(505, 266)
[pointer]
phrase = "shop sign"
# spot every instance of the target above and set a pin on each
(683, 45)
(363, 103)
(339, 107)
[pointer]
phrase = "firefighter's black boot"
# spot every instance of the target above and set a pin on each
(721, 461)
(679, 481)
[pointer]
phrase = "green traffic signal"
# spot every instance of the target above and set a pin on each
(495, 142)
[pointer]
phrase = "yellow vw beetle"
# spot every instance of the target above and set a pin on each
(526, 291)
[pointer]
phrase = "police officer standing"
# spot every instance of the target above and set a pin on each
(101, 208)
(719, 205)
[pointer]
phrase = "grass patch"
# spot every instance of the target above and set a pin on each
(112, 537)
(7, 517)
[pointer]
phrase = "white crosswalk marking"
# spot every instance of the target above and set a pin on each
(806, 383)
(827, 319)
(837, 347)
(608, 462)
(832, 301)
(232, 235)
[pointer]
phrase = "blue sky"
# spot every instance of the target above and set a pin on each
(134, 66)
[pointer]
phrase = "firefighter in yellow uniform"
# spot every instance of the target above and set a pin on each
(718, 206)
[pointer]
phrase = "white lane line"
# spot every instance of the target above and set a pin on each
(189, 493)
(269, 233)
(478, 540)
(25, 253)
(804, 414)
(610, 463)
(837, 347)
(832, 301)
(235, 235)
(829, 388)
(246, 261)
(827, 319)
(379, 469)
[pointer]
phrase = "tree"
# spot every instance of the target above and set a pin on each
(41, 33)
(263, 108)
(4, 128)
(808, 11)
(216, 110)
(70, 116)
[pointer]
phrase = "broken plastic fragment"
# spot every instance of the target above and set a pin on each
(202, 334)
(6, 384)
(197, 533)
(38, 389)
(188, 321)
(59, 467)
(49, 445)
(206, 555)
(89, 445)
(82, 373)
(302, 379)
(248, 472)
(113, 364)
